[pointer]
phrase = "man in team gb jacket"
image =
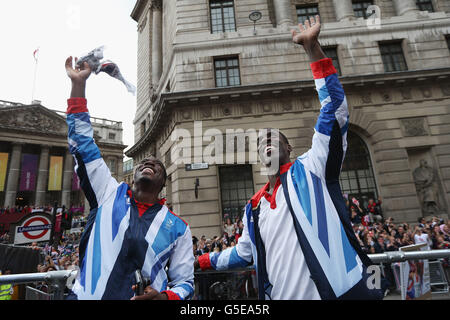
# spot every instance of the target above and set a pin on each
(129, 228)
(296, 229)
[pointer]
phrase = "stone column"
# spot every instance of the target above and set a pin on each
(13, 176)
(283, 12)
(67, 180)
(156, 42)
(343, 10)
(41, 185)
(403, 7)
(120, 176)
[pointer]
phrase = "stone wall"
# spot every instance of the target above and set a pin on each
(400, 127)
(144, 65)
(402, 117)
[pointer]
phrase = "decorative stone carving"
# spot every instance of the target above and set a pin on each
(427, 189)
(307, 103)
(386, 97)
(156, 5)
(226, 111)
(445, 89)
(33, 119)
(246, 109)
(406, 93)
(287, 106)
(414, 127)
(153, 95)
(267, 107)
(206, 112)
(186, 115)
(426, 92)
(366, 98)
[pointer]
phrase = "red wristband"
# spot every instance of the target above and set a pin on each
(204, 262)
(76, 105)
(323, 68)
(171, 295)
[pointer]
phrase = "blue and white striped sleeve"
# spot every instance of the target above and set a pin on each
(181, 269)
(238, 256)
(330, 137)
(95, 177)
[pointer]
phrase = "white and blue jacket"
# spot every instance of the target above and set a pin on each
(336, 263)
(117, 241)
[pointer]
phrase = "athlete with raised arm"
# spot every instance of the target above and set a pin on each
(129, 228)
(296, 229)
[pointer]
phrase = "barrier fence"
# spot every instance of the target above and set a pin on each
(233, 284)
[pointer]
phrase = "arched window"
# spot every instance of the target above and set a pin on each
(357, 178)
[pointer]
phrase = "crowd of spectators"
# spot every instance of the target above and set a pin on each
(61, 256)
(375, 232)
(378, 234)
(28, 209)
(231, 232)
(5, 237)
(19, 209)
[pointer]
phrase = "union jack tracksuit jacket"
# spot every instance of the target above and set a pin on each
(312, 192)
(117, 241)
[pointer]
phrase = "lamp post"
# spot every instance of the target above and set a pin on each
(255, 16)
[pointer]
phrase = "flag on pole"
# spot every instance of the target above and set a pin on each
(35, 54)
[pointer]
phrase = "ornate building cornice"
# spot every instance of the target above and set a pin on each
(137, 10)
(156, 4)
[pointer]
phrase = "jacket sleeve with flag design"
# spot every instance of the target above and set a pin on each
(181, 269)
(114, 226)
(329, 143)
(334, 256)
(95, 177)
(238, 256)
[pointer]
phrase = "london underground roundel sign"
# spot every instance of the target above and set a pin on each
(36, 228)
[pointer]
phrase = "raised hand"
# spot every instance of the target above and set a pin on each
(309, 38)
(309, 33)
(77, 74)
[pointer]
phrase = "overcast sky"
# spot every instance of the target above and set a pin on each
(62, 28)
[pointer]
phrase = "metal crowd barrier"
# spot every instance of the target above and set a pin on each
(401, 256)
(35, 294)
(438, 281)
(57, 280)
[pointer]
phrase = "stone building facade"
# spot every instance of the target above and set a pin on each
(127, 171)
(31, 136)
(204, 62)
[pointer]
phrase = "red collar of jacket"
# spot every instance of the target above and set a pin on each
(264, 190)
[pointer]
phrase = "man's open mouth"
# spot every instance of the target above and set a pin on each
(148, 170)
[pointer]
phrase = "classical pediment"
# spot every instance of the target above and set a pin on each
(33, 119)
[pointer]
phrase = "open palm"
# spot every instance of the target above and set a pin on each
(309, 33)
(77, 74)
